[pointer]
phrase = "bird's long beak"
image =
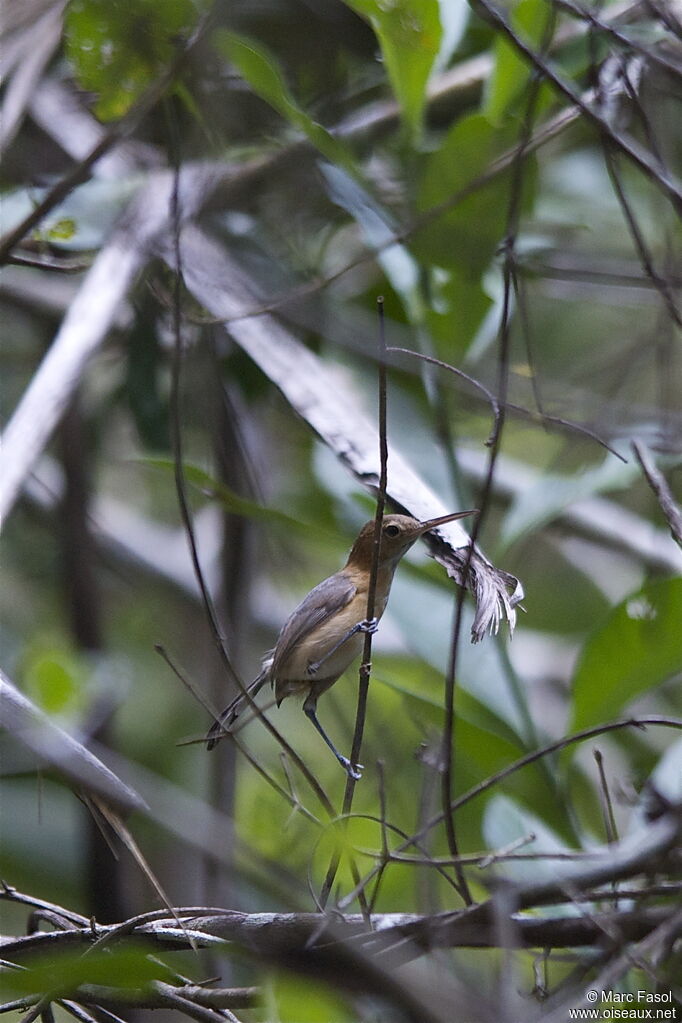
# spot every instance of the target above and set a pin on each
(424, 527)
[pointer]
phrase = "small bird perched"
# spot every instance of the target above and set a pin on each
(323, 635)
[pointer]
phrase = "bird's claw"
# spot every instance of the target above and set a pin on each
(313, 668)
(353, 771)
(369, 625)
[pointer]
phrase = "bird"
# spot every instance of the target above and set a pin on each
(324, 634)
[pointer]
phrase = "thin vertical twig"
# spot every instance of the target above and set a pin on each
(607, 804)
(513, 213)
(366, 666)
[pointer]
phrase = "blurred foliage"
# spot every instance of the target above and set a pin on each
(353, 181)
(115, 53)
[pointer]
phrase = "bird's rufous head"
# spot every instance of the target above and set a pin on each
(398, 533)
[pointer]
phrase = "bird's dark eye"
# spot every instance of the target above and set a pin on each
(391, 530)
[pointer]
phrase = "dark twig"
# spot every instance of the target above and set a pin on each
(539, 417)
(117, 133)
(365, 667)
(183, 500)
(627, 146)
(650, 53)
(517, 765)
(659, 485)
(448, 740)
(659, 282)
(607, 804)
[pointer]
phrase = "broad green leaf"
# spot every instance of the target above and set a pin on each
(424, 614)
(637, 648)
(116, 49)
(260, 69)
(409, 33)
(427, 693)
(63, 972)
(466, 235)
(511, 72)
(53, 676)
(563, 603)
(290, 1001)
(232, 502)
(459, 308)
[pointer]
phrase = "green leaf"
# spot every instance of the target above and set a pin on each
(460, 305)
(232, 502)
(116, 49)
(64, 972)
(467, 235)
(53, 676)
(637, 648)
(409, 33)
(290, 1001)
(427, 693)
(62, 230)
(511, 72)
(259, 68)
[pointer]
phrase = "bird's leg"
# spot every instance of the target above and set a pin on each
(310, 710)
(366, 625)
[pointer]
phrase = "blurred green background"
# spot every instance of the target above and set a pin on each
(368, 149)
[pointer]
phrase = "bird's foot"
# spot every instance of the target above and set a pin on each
(353, 771)
(369, 625)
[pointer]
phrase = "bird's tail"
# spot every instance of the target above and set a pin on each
(231, 712)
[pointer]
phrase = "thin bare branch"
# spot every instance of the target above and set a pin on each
(121, 130)
(530, 758)
(90, 317)
(627, 146)
(365, 667)
(659, 485)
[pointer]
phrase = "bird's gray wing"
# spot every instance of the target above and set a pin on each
(322, 602)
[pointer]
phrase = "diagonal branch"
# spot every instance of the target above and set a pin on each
(69, 757)
(659, 485)
(89, 319)
(628, 146)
